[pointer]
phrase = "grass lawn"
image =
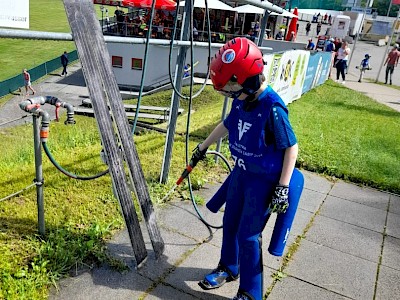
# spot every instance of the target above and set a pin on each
(45, 15)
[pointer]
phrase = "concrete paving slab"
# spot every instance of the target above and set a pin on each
(354, 213)
(347, 238)
(388, 284)
(181, 217)
(391, 253)
(293, 288)
(394, 206)
(362, 195)
(393, 225)
(333, 270)
(311, 200)
(275, 262)
(316, 182)
(102, 284)
(300, 222)
(165, 292)
(194, 268)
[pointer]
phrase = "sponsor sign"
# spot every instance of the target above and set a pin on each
(14, 14)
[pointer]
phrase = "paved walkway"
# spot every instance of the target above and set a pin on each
(348, 237)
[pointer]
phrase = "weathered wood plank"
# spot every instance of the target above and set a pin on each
(93, 39)
(89, 111)
(150, 108)
(84, 40)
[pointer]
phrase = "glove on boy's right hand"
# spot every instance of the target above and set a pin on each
(280, 199)
(197, 155)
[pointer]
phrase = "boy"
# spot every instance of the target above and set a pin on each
(264, 147)
(364, 65)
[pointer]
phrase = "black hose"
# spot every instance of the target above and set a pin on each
(192, 197)
(65, 172)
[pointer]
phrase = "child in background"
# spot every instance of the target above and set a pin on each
(364, 65)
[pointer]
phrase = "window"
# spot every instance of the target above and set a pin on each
(137, 63)
(116, 61)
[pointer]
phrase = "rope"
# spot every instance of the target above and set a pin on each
(19, 192)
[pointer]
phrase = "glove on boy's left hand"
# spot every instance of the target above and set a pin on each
(198, 155)
(280, 199)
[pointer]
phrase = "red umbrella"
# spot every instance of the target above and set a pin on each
(160, 4)
(292, 26)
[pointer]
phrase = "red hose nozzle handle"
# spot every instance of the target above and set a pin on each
(185, 174)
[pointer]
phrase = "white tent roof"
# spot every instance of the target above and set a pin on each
(284, 14)
(249, 9)
(212, 4)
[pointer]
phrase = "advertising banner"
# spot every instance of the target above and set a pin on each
(317, 71)
(286, 73)
(14, 14)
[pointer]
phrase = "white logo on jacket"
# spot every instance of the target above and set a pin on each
(239, 162)
(243, 127)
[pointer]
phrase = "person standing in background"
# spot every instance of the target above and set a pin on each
(391, 62)
(342, 56)
(308, 27)
(27, 82)
(319, 25)
(64, 63)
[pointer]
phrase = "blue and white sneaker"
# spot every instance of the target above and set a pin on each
(217, 278)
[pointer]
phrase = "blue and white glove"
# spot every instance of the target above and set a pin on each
(280, 199)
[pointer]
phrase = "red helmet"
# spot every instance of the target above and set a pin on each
(239, 58)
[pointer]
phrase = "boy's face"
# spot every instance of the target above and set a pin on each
(231, 89)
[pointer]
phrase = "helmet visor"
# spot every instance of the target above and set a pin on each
(231, 89)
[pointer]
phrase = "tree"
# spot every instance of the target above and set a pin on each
(382, 7)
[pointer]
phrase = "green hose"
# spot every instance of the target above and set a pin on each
(65, 172)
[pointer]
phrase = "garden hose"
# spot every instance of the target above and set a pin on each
(191, 191)
(65, 172)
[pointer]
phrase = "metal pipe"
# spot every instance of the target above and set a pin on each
(39, 174)
(264, 4)
(55, 36)
(32, 105)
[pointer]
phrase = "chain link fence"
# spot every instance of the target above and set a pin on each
(15, 83)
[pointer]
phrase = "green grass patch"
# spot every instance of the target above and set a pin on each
(45, 15)
(80, 215)
(345, 134)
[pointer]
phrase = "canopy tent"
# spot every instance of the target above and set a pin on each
(285, 13)
(212, 4)
(249, 9)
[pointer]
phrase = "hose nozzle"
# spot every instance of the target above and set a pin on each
(185, 173)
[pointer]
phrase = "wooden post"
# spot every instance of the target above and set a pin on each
(113, 123)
